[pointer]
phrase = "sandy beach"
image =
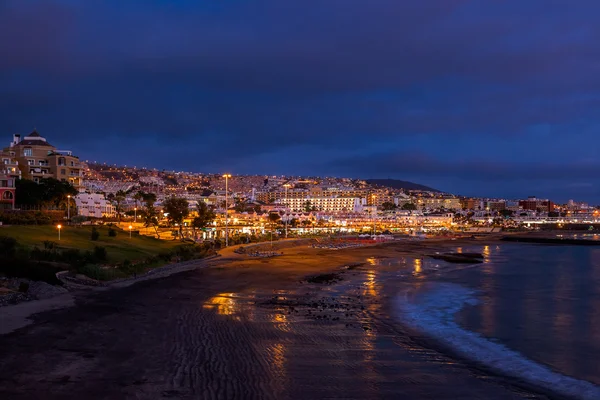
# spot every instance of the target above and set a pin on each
(310, 324)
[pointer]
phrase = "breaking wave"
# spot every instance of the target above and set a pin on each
(432, 312)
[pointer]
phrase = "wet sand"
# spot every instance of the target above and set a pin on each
(243, 328)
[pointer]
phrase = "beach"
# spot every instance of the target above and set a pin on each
(311, 323)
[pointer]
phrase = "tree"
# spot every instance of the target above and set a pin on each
(553, 214)
(506, 213)
(308, 207)
(205, 216)
(117, 200)
(274, 218)
(138, 197)
(240, 205)
(388, 206)
(49, 192)
(149, 214)
(409, 206)
(177, 210)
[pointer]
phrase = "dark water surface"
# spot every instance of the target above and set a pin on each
(541, 301)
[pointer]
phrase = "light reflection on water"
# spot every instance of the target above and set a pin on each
(543, 301)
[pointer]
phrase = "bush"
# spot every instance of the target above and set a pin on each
(100, 274)
(49, 245)
(32, 270)
(8, 246)
(100, 254)
(112, 232)
(95, 234)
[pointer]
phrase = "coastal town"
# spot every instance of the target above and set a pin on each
(245, 205)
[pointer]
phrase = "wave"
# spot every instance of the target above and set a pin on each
(432, 311)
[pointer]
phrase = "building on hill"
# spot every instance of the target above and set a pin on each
(7, 192)
(37, 159)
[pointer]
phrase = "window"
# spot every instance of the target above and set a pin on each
(63, 172)
(27, 152)
(7, 195)
(72, 164)
(30, 162)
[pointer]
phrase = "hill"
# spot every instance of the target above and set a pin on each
(398, 184)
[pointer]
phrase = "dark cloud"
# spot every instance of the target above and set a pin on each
(269, 82)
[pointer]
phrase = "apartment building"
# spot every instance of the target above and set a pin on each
(432, 203)
(93, 205)
(534, 204)
(37, 159)
(7, 192)
(9, 165)
(325, 204)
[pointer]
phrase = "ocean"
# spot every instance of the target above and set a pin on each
(528, 311)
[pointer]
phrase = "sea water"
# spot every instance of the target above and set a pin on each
(528, 311)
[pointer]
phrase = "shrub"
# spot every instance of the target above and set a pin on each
(100, 254)
(112, 232)
(32, 270)
(96, 272)
(8, 246)
(49, 245)
(95, 234)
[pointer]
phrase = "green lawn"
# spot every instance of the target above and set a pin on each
(118, 248)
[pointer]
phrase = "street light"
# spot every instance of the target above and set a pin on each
(59, 226)
(135, 214)
(69, 207)
(130, 231)
(226, 176)
(374, 213)
(286, 186)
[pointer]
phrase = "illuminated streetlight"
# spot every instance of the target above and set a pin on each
(69, 207)
(226, 176)
(374, 213)
(59, 226)
(130, 231)
(135, 214)
(286, 186)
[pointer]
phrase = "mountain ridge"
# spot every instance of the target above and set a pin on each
(399, 184)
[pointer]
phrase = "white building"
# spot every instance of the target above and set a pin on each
(325, 204)
(93, 205)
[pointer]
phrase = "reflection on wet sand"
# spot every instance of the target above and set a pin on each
(223, 304)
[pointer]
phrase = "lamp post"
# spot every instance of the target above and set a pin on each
(286, 186)
(374, 214)
(226, 176)
(135, 214)
(59, 226)
(69, 207)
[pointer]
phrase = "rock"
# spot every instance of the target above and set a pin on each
(42, 290)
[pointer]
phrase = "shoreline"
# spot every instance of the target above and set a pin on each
(240, 300)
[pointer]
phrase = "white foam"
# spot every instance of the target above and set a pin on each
(432, 313)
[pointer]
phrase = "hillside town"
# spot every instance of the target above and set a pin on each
(251, 204)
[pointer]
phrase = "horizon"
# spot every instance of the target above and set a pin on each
(464, 97)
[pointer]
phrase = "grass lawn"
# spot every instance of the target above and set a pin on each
(118, 248)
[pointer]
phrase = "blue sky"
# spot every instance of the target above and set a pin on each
(473, 97)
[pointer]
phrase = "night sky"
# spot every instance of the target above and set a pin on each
(488, 98)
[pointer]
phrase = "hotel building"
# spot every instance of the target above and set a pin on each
(325, 204)
(37, 159)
